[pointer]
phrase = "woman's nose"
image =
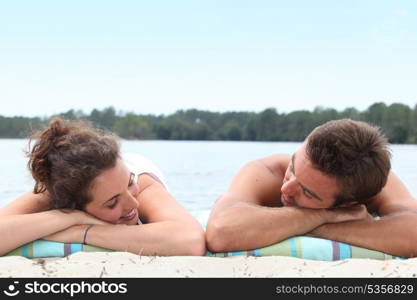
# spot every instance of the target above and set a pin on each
(130, 200)
(134, 190)
(133, 198)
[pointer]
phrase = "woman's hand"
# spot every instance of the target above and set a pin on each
(82, 218)
(73, 234)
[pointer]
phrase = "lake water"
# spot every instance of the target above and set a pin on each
(196, 172)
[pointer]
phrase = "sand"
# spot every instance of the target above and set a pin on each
(123, 264)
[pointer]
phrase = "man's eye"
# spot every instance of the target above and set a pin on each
(307, 194)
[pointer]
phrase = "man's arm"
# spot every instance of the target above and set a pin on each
(395, 233)
(243, 218)
(394, 197)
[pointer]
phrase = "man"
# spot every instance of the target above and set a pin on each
(328, 188)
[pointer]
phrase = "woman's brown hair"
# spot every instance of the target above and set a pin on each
(66, 157)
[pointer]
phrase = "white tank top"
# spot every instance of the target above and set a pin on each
(139, 164)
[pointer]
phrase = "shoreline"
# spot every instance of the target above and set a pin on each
(126, 265)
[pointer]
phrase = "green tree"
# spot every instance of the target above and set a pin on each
(231, 131)
(132, 126)
(375, 113)
(299, 125)
(105, 118)
(267, 125)
(396, 122)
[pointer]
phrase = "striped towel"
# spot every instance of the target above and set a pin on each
(300, 246)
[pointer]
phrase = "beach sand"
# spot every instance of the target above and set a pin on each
(123, 264)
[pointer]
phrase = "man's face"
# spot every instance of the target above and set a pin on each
(304, 186)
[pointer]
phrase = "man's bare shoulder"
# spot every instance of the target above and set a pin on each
(277, 163)
(394, 197)
(259, 181)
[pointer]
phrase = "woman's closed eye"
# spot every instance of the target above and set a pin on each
(112, 203)
(131, 180)
(132, 185)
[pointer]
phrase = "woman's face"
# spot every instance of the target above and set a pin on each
(114, 196)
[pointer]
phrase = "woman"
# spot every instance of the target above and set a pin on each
(87, 192)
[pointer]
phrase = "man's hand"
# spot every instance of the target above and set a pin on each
(340, 215)
(345, 214)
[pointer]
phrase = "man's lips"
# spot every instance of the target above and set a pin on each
(286, 200)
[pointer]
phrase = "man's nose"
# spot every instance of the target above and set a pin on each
(289, 186)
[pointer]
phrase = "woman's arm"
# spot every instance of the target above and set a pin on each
(169, 228)
(17, 230)
(27, 204)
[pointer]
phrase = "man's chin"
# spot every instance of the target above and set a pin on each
(286, 202)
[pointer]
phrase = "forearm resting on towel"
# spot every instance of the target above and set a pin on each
(17, 230)
(395, 234)
(160, 238)
(245, 226)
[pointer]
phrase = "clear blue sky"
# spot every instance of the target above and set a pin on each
(161, 56)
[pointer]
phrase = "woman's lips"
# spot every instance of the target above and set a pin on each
(130, 215)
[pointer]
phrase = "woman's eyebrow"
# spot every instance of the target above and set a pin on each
(292, 163)
(117, 195)
(112, 198)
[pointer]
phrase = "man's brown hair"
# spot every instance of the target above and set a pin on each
(355, 153)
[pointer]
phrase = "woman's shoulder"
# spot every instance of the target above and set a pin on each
(134, 157)
(140, 164)
(134, 160)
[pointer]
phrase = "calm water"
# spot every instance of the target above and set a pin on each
(196, 172)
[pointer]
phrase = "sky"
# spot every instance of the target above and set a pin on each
(156, 57)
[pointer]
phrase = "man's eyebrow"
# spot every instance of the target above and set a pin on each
(310, 192)
(302, 186)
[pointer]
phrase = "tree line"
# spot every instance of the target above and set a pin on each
(398, 122)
